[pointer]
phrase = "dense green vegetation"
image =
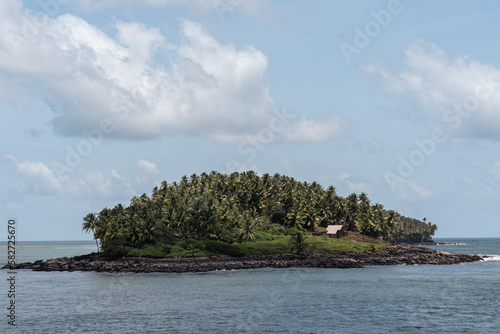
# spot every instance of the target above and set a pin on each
(413, 230)
(243, 213)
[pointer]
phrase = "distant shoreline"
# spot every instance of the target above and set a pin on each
(393, 255)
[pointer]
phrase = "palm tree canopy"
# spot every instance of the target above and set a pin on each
(233, 207)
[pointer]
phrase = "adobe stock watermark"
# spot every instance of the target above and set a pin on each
(279, 123)
(427, 147)
(121, 107)
(364, 36)
(223, 6)
(32, 24)
(11, 274)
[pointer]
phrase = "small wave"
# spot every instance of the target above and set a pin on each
(451, 244)
(491, 257)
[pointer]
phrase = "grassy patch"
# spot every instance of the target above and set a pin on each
(263, 244)
(325, 244)
(276, 246)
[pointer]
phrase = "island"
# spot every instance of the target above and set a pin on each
(216, 221)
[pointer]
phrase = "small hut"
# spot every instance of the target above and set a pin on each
(336, 231)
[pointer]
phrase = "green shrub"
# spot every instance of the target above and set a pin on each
(291, 231)
(278, 214)
(261, 235)
(177, 251)
(115, 248)
(157, 250)
(222, 248)
(298, 243)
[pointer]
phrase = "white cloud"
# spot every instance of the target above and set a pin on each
(147, 171)
(41, 179)
(309, 131)
(375, 146)
(204, 88)
(354, 184)
(462, 95)
(139, 40)
(407, 189)
(46, 180)
(147, 167)
(482, 181)
(478, 189)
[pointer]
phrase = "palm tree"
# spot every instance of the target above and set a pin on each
(298, 243)
(294, 219)
(311, 218)
(225, 207)
(391, 220)
(350, 209)
(246, 233)
(367, 226)
(91, 225)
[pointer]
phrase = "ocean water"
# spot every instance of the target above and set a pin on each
(461, 298)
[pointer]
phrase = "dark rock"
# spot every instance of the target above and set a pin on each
(394, 255)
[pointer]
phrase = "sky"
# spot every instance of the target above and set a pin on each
(102, 100)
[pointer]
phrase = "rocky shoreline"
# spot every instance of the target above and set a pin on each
(393, 255)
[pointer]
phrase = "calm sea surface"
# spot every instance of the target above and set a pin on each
(391, 299)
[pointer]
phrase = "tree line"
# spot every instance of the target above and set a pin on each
(231, 208)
